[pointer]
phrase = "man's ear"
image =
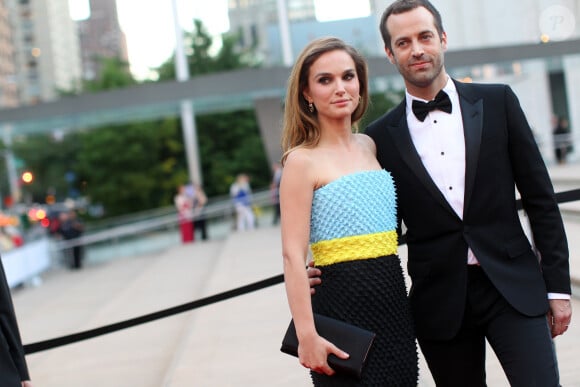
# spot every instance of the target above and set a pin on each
(390, 55)
(444, 40)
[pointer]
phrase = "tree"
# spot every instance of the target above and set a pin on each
(230, 143)
(130, 167)
(380, 103)
(200, 59)
(114, 74)
(50, 158)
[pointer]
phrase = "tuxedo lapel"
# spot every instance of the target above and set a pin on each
(399, 132)
(472, 115)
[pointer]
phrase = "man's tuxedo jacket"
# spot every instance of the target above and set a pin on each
(500, 155)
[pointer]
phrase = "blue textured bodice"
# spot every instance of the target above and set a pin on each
(360, 203)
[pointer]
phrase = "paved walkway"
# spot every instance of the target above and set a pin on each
(232, 343)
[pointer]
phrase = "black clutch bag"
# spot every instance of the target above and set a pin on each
(353, 340)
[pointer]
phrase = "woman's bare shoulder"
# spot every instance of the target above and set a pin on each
(367, 142)
(299, 158)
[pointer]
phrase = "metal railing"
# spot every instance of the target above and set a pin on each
(162, 219)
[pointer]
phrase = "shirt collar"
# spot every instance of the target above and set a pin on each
(449, 88)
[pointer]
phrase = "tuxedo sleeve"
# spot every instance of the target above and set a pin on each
(538, 199)
(9, 328)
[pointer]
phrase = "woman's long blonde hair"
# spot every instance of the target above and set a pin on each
(301, 127)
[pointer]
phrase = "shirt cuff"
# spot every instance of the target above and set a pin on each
(558, 296)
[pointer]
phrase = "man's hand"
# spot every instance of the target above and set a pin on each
(313, 276)
(26, 383)
(559, 316)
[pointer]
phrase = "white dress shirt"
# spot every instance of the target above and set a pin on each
(440, 142)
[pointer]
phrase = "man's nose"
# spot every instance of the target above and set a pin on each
(417, 49)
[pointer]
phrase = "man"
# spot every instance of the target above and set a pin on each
(13, 369)
(70, 227)
(474, 274)
(199, 199)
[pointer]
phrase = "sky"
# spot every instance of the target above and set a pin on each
(148, 24)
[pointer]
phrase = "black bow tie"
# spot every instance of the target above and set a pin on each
(441, 102)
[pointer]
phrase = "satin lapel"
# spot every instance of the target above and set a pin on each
(402, 139)
(472, 114)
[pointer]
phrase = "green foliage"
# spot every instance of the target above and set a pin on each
(200, 58)
(49, 159)
(114, 74)
(380, 104)
(132, 167)
(230, 143)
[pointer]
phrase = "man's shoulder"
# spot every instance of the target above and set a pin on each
(391, 117)
(478, 89)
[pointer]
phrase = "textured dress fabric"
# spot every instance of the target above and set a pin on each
(353, 240)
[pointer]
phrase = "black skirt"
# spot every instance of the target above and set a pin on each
(371, 293)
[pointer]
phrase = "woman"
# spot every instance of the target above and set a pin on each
(241, 194)
(335, 197)
(184, 205)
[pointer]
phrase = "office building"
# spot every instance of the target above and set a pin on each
(8, 89)
(46, 49)
(101, 37)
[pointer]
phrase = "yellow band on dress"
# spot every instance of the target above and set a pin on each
(354, 248)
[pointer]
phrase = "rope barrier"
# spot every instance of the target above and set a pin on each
(88, 334)
(561, 197)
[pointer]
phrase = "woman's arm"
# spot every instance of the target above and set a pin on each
(296, 193)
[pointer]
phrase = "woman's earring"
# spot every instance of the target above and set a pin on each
(311, 107)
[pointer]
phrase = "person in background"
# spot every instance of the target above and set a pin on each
(241, 194)
(199, 199)
(275, 191)
(69, 228)
(337, 200)
(184, 205)
(562, 140)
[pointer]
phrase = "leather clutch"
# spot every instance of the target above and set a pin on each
(353, 340)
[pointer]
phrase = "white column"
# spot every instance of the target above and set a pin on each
(285, 39)
(187, 111)
(571, 66)
(11, 165)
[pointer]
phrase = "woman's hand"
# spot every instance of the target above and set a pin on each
(313, 353)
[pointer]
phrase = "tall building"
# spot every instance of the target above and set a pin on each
(8, 89)
(101, 37)
(252, 18)
(46, 48)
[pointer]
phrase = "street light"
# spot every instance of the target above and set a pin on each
(27, 177)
